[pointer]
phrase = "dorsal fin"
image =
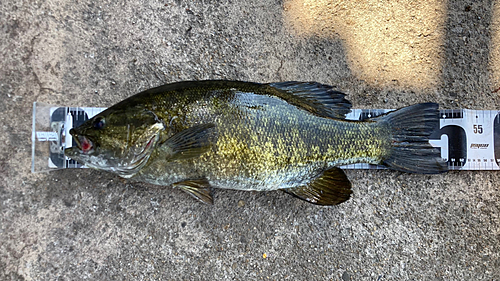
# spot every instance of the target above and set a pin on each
(314, 97)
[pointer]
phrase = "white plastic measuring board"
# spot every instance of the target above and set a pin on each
(468, 139)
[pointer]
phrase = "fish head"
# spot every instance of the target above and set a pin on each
(117, 140)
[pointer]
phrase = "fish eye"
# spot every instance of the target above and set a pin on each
(99, 123)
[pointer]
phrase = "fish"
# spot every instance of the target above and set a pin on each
(289, 136)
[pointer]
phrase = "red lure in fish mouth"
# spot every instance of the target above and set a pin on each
(86, 144)
(82, 142)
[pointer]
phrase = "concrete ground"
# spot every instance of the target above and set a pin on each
(85, 224)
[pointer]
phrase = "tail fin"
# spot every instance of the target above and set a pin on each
(411, 127)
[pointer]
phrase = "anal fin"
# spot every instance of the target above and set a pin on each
(331, 188)
(199, 189)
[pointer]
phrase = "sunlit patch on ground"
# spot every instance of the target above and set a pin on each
(396, 43)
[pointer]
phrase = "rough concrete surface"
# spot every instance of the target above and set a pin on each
(85, 224)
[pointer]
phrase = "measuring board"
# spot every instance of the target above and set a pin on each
(467, 139)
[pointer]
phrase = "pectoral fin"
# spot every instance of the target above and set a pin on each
(189, 143)
(199, 189)
(331, 188)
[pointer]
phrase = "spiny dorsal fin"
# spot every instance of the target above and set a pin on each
(314, 97)
(189, 143)
(199, 189)
(331, 188)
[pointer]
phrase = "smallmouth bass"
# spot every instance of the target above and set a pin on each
(289, 136)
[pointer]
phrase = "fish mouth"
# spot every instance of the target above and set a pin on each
(83, 143)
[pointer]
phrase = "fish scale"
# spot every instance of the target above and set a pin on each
(265, 150)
